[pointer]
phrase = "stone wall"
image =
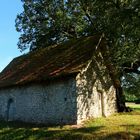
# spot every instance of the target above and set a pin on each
(96, 96)
(53, 103)
(65, 101)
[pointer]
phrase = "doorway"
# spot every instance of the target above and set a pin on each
(10, 110)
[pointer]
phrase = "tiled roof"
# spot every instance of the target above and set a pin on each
(49, 62)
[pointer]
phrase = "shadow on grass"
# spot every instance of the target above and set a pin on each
(133, 112)
(120, 136)
(99, 136)
(22, 131)
(133, 106)
(136, 108)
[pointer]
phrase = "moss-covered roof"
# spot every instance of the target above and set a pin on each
(49, 62)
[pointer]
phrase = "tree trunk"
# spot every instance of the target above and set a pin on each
(117, 84)
(114, 74)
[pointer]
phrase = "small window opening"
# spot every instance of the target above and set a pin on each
(10, 101)
(65, 99)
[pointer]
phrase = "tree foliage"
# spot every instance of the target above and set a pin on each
(131, 84)
(47, 22)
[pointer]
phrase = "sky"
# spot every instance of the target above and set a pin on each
(8, 34)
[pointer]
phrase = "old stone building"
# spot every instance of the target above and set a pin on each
(61, 84)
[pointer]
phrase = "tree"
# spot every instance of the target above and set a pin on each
(47, 22)
(131, 83)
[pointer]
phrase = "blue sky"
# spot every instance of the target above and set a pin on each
(8, 35)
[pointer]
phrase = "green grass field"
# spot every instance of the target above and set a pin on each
(124, 126)
(133, 106)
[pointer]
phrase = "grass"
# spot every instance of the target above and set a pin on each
(124, 126)
(133, 106)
